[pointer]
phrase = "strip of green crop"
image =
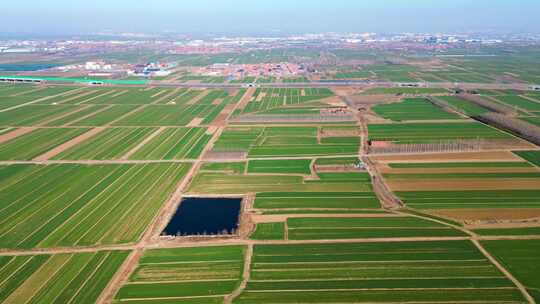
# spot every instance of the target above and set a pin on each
(269, 231)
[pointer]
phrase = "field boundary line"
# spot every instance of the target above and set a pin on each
(120, 277)
(42, 99)
(79, 109)
(375, 279)
(73, 97)
(36, 291)
(95, 97)
(119, 118)
(449, 225)
(378, 289)
(142, 143)
(73, 122)
(245, 276)
(16, 133)
(143, 175)
(165, 96)
(197, 98)
(180, 140)
(170, 170)
(16, 270)
(285, 230)
(22, 198)
(69, 144)
(102, 195)
(178, 281)
(165, 142)
(507, 273)
(28, 92)
(235, 241)
(530, 98)
(78, 198)
(16, 293)
(177, 298)
(91, 274)
(59, 212)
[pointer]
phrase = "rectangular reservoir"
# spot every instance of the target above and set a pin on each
(205, 216)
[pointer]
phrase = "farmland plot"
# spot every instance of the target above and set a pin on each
(59, 278)
(463, 105)
(355, 228)
(35, 143)
(81, 113)
(78, 98)
(17, 95)
(521, 259)
(204, 274)
(405, 90)
(285, 142)
(166, 115)
(32, 115)
(285, 166)
(375, 272)
(132, 96)
(519, 102)
(175, 143)
(313, 200)
(79, 205)
(103, 118)
(227, 183)
(430, 132)
(269, 231)
(412, 109)
(531, 156)
(110, 144)
(471, 199)
(267, 99)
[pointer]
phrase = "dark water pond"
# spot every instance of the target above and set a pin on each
(205, 216)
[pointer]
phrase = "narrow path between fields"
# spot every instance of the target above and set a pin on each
(245, 276)
(501, 268)
(42, 99)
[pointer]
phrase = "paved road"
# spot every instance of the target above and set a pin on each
(517, 86)
(384, 84)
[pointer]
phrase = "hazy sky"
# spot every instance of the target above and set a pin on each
(269, 16)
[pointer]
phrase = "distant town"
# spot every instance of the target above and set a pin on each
(308, 57)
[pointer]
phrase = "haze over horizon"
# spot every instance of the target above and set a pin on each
(269, 17)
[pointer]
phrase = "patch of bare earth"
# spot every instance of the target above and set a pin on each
(248, 96)
(197, 98)
(334, 101)
(360, 100)
(232, 156)
(67, 145)
(385, 169)
(504, 156)
(221, 119)
(464, 184)
(162, 97)
(142, 143)
(336, 168)
(195, 122)
(339, 133)
(346, 91)
(16, 133)
(217, 102)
